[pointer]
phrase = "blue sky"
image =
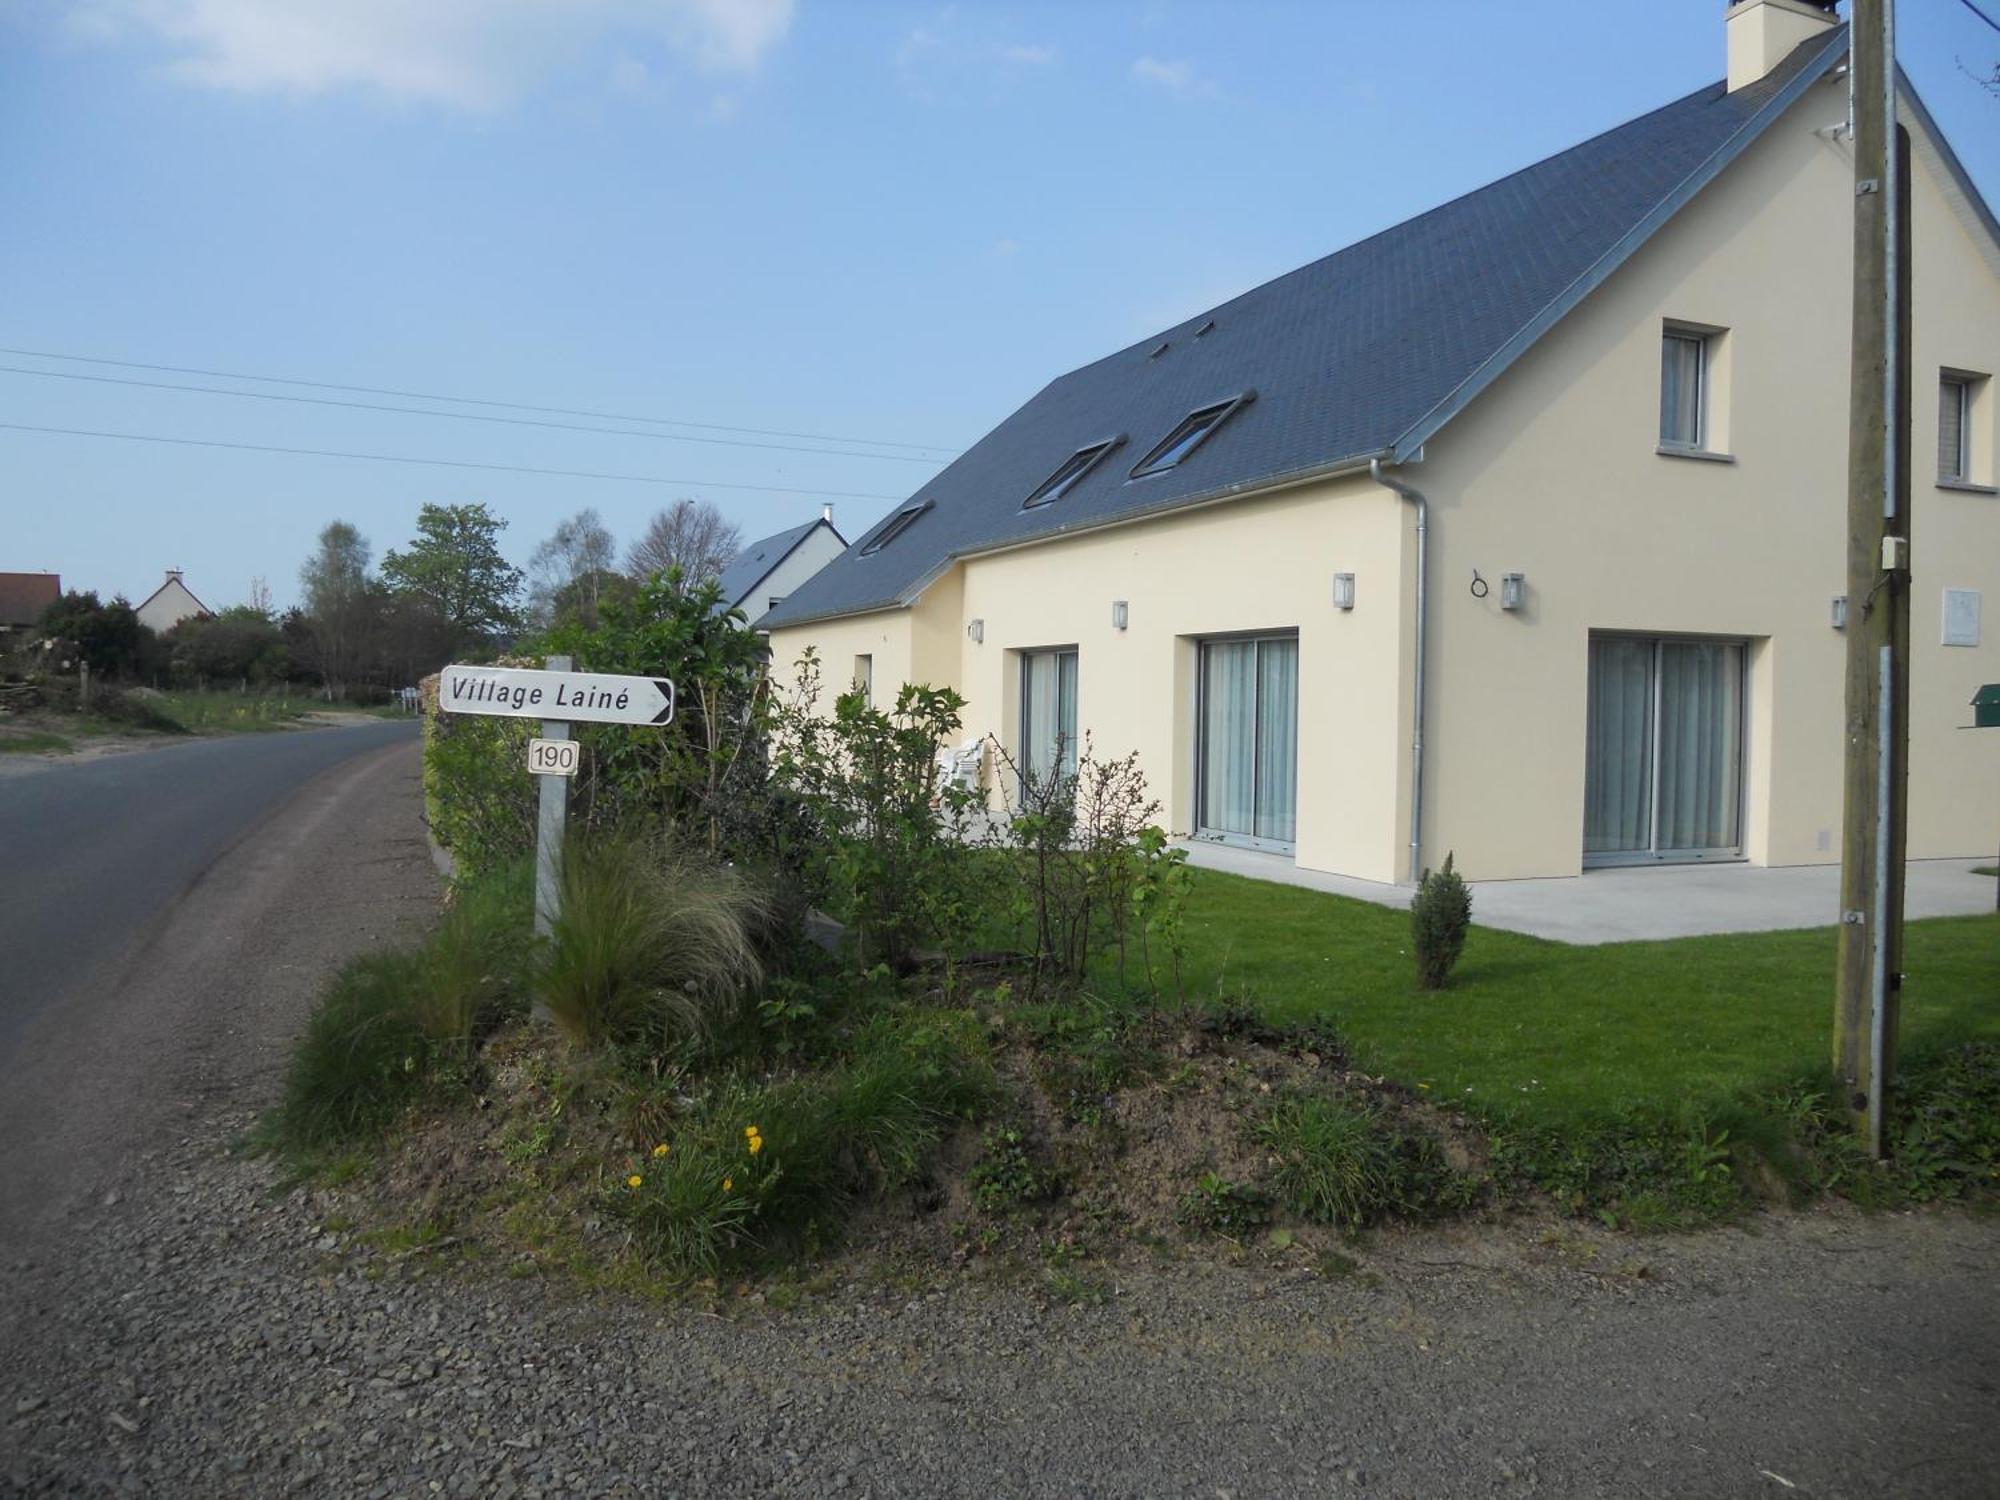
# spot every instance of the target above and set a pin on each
(862, 221)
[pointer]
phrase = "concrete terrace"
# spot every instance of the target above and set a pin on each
(1631, 903)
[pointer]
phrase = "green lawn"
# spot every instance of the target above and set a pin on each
(1573, 1032)
(33, 742)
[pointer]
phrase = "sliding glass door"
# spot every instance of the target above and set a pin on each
(1663, 761)
(1048, 714)
(1249, 741)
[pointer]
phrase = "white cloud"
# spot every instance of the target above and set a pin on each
(1175, 76)
(472, 54)
(939, 57)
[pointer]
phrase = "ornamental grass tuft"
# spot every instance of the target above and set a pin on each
(656, 946)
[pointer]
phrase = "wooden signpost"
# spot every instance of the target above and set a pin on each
(558, 697)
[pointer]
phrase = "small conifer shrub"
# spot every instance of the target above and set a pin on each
(1440, 913)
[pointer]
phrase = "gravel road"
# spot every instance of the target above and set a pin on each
(170, 1325)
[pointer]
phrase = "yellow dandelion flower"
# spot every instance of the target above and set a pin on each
(756, 1144)
(751, 1131)
(660, 1150)
(728, 1183)
(634, 1180)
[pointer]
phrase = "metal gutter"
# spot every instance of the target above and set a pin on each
(1416, 497)
(1355, 464)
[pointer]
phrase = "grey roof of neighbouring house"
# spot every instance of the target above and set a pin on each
(755, 562)
(1367, 352)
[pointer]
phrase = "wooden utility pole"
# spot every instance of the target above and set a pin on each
(1878, 584)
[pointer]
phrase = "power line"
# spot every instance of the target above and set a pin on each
(1981, 14)
(559, 411)
(459, 416)
(446, 463)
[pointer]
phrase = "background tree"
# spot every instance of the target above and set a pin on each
(334, 627)
(690, 535)
(242, 644)
(569, 570)
(454, 566)
(108, 636)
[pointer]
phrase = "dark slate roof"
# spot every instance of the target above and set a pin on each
(755, 562)
(1365, 353)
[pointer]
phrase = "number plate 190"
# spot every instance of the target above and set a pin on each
(552, 757)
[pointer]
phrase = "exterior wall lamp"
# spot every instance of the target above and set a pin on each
(1838, 615)
(977, 630)
(1513, 590)
(1120, 614)
(1343, 591)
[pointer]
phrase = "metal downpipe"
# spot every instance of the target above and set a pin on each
(1415, 497)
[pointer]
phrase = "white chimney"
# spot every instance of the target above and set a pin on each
(1763, 33)
(826, 512)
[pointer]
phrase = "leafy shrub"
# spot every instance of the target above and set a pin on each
(654, 946)
(1655, 1170)
(1005, 1176)
(1440, 913)
(1216, 1205)
(889, 850)
(705, 772)
(754, 1167)
(1945, 1130)
(1069, 836)
(1161, 882)
(1091, 1046)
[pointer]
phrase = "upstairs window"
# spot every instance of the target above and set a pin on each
(1070, 474)
(1955, 428)
(894, 527)
(1193, 431)
(1683, 389)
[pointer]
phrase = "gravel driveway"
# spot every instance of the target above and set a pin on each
(170, 1325)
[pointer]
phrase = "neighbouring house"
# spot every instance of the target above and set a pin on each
(1619, 380)
(766, 572)
(169, 604)
(23, 597)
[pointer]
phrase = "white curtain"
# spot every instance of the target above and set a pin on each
(1277, 739)
(1229, 736)
(1048, 713)
(1701, 736)
(1680, 390)
(1250, 738)
(1690, 801)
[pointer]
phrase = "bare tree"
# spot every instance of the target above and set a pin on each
(339, 607)
(690, 535)
(568, 570)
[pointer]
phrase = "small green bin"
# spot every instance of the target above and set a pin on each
(1986, 707)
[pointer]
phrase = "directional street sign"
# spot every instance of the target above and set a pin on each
(522, 693)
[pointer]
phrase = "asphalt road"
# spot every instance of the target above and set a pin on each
(91, 853)
(166, 919)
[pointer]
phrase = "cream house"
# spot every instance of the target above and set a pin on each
(1516, 530)
(169, 604)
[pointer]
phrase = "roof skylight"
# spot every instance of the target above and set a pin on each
(895, 527)
(1070, 473)
(1193, 431)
